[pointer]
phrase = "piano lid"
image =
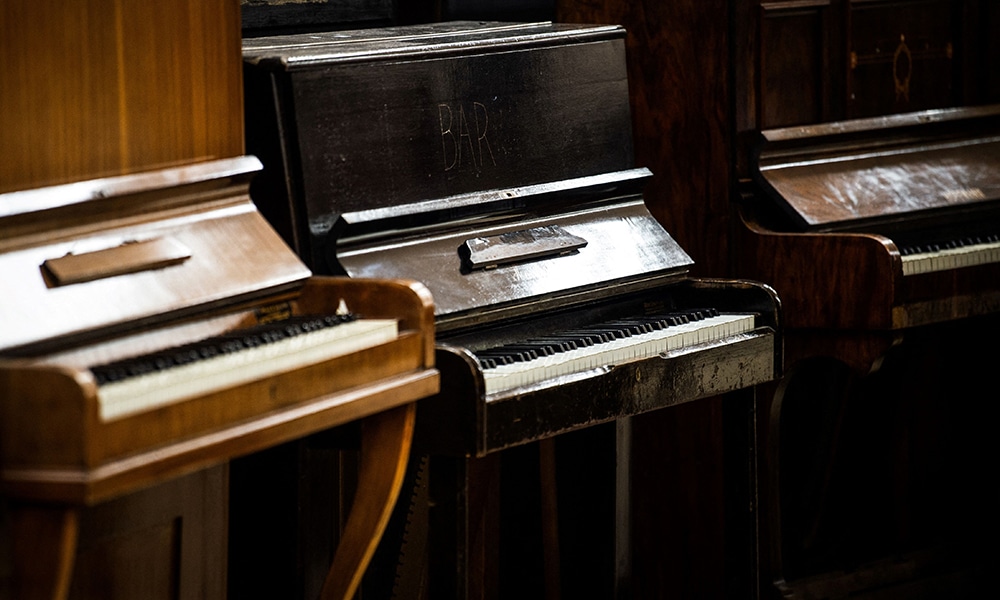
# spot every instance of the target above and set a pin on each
(95, 256)
(833, 175)
(434, 40)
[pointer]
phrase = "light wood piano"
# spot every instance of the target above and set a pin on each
(153, 326)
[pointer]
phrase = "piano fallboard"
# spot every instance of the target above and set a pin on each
(619, 243)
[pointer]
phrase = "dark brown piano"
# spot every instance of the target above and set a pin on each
(493, 162)
(882, 238)
(153, 327)
(902, 209)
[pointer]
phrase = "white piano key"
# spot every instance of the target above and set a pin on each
(617, 351)
(118, 399)
(951, 258)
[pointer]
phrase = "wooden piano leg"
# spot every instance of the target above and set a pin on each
(550, 517)
(385, 448)
(44, 548)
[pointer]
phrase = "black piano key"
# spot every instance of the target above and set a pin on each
(519, 355)
(557, 344)
(962, 241)
(226, 343)
(587, 335)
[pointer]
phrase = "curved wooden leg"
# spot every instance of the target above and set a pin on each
(44, 544)
(385, 448)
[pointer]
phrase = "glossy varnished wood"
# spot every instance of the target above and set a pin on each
(504, 106)
(108, 214)
(680, 84)
(385, 450)
(382, 161)
(828, 265)
(58, 451)
(78, 457)
(834, 203)
(105, 87)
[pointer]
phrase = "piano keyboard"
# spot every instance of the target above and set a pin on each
(176, 374)
(573, 351)
(943, 256)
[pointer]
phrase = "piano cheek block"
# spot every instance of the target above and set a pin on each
(129, 257)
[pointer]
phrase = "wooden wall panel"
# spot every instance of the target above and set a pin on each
(903, 56)
(795, 66)
(95, 88)
(679, 80)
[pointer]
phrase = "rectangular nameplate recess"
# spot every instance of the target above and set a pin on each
(130, 257)
(518, 246)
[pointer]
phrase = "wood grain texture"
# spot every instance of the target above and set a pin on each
(77, 457)
(839, 280)
(678, 59)
(106, 87)
(43, 540)
(385, 449)
(679, 67)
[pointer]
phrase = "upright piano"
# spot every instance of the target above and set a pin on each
(882, 237)
(493, 162)
(153, 326)
(895, 216)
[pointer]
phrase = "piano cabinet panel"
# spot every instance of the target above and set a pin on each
(161, 542)
(855, 281)
(904, 56)
(839, 280)
(54, 441)
(40, 456)
(862, 351)
(96, 88)
(797, 75)
(948, 295)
